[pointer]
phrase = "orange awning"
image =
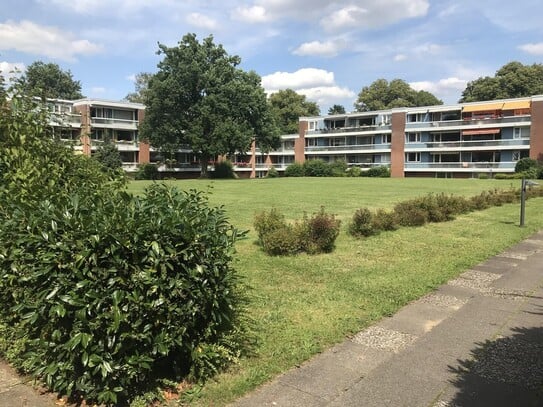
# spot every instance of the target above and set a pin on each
(483, 107)
(477, 132)
(518, 104)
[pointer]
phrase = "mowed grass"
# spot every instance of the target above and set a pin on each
(302, 305)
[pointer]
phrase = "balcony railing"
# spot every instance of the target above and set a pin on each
(65, 119)
(503, 165)
(469, 122)
(359, 147)
(117, 123)
(350, 129)
(452, 145)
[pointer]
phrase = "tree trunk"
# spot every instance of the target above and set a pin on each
(204, 158)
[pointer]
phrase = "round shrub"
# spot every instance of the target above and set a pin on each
(361, 223)
(281, 242)
(384, 220)
(317, 168)
(147, 171)
(294, 170)
(525, 164)
(338, 168)
(354, 171)
(409, 213)
(266, 222)
(223, 170)
(320, 232)
(272, 173)
(380, 171)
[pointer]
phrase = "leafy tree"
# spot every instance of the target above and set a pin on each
(3, 93)
(512, 80)
(108, 155)
(141, 84)
(199, 97)
(288, 106)
(336, 109)
(50, 81)
(382, 94)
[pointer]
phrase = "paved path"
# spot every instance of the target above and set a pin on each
(476, 341)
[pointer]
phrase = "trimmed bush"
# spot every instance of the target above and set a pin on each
(267, 222)
(381, 171)
(354, 171)
(362, 223)
(147, 171)
(384, 220)
(319, 232)
(317, 168)
(272, 173)
(294, 170)
(409, 213)
(338, 168)
(223, 170)
(281, 242)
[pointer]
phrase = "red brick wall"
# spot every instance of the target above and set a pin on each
(299, 143)
(536, 131)
(397, 154)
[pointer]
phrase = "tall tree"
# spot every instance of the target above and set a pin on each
(199, 97)
(141, 84)
(512, 80)
(336, 109)
(288, 106)
(3, 93)
(382, 94)
(50, 81)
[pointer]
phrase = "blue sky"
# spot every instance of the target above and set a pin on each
(327, 50)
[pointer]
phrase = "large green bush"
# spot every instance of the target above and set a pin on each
(381, 171)
(103, 293)
(317, 168)
(294, 170)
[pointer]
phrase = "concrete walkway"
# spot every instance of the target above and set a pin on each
(476, 341)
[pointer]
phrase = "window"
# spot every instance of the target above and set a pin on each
(516, 155)
(412, 138)
(520, 132)
(387, 138)
(413, 157)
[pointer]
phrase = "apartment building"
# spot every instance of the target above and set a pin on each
(462, 140)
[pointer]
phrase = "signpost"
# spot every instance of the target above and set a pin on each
(524, 185)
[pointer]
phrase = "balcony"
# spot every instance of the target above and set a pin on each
(361, 129)
(503, 166)
(464, 124)
(103, 122)
(65, 120)
(354, 148)
(506, 144)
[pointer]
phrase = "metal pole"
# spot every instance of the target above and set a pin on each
(522, 201)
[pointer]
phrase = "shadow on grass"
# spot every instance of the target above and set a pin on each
(507, 371)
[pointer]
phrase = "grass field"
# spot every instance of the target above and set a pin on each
(304, 304)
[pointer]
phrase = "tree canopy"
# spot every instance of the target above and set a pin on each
(200, 98)
(288, 106)
(382, 94)
(50, 81)
(336, 109)
(141, 84)
(512, 80)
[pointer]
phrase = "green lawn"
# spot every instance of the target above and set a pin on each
(304, 304)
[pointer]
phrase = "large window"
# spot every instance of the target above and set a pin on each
(412, 138)
(413, 157)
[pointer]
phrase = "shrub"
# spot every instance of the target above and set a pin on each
(147, 171)
(338, 168)
(294, 170)
(354, 171)
(482, 175)
(317, 168)
(381, 171)
(283, 241)
(223, 170)
(312, 235)
(525, 164)
(384, 220)
(267, 222)
(361, 223)
(409, 213)
(272, 173)
(319, 233)
(110, 292)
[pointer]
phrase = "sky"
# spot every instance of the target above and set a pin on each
(326, 50)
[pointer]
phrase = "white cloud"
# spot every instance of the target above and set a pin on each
(325, 95)
(373, 14)
(131, 77)
(106, 7)
(303, 78)
(448, 89)
(254, 14)
(98, 90)
(533, 48)
(201, 21)
(48, 41)
(400, 57)
(428, 48)
(11, 70)
(317, 85)
(325, 49)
